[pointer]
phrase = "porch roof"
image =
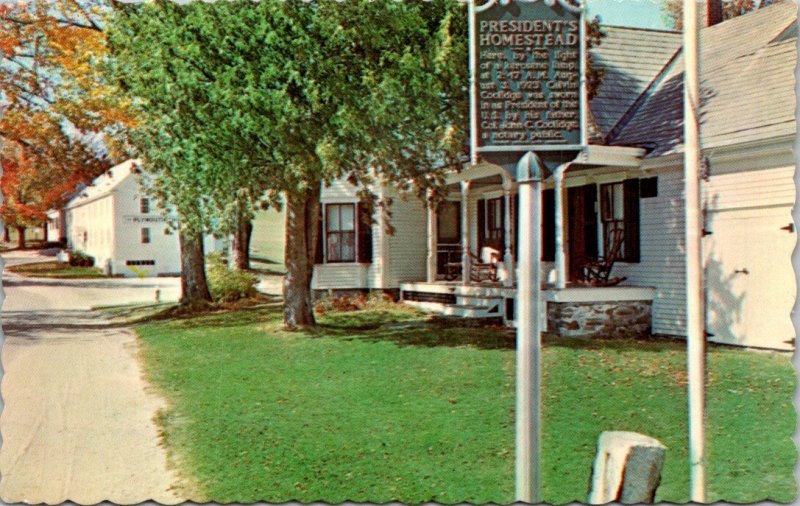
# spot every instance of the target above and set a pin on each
(590, 156)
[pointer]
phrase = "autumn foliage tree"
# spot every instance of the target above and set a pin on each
(57, 113)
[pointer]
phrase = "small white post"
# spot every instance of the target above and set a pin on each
(561, 249)
(528, 432)
(465, 232)
(473, 85)
(508, 256)
(695, 324)
(431, 260)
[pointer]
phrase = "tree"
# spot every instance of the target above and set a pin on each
(57, 110)
(292, 96)
(672, 10)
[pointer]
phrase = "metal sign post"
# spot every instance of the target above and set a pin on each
(529, 344)
(528, 96)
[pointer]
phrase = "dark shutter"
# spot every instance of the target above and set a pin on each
(364, 234)
(481, 224)
(631, 209)
(318, 255)
(590, 220)
(548, 225)
(515, 229)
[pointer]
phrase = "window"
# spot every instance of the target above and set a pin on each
(494, 222)
(340, 233)
(144, 205)
(619, 210)
(145, 235)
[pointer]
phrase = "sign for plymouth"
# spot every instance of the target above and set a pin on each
(527, 63)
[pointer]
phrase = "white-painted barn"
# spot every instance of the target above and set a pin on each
(115, 222)
(627, 184)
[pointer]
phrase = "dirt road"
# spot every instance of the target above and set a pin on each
(78, 417)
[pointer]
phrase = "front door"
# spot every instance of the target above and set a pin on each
(581, 227)
(491, 224)
(448, 235)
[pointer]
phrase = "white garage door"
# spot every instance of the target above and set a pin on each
(750, 281)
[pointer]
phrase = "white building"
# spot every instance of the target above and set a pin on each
(113, 221)
(629, 179)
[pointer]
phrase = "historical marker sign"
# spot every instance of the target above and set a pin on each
(527, 65)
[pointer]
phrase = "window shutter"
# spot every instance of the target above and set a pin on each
(481, 224)
(548, 225)
(364, 225)
(515, 228)
(318, 255)
(631, 208)
(590, 219)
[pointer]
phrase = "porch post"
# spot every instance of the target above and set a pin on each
(431, 263)
(465, 232)
(508, 257)
(561, 251)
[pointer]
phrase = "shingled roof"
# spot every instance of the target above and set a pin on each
(631, 59)
(747, 86)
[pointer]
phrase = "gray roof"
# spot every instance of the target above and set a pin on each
(747, 86)
(631, 59)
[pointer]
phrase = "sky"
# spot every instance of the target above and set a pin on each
(638, 13)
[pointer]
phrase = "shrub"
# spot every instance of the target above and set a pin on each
(227, 285)
(80, 259)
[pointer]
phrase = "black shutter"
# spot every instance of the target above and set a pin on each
(481, 224)
(515, 228)
(364, 230)
(318, 255)
(548, 225)
(631, 202)
(590, 219)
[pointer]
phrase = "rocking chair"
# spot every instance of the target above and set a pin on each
(484, 268)
(597, 271)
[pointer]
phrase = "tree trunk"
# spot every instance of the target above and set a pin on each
(6, 234)
(239, 243)
(302, 221)
(194, 288)
(20, 237)
(45, 232)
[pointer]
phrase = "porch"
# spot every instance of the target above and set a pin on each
(602, 311)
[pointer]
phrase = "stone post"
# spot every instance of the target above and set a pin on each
(627, 468)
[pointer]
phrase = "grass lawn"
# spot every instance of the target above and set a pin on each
(378, 406)
(56, 270)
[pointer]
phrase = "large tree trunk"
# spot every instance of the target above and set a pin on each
(45, 232)
(194, 288)
(302, 221)
(20, 237)
(6, 233)
(239, 243)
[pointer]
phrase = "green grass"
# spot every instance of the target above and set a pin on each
(267, 242)
(56, 270)
(379, 406)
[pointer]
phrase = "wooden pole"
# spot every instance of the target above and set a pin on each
(695, 319)
(528, 431)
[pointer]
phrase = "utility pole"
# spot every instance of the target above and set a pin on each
(695, 313)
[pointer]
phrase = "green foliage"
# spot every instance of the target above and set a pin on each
(378, 405)
(56, 270)
(227, 285)
(80, 259)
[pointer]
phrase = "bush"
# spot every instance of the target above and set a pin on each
(227, 285)
(80, 259)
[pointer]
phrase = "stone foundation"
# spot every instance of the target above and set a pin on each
(629, 319)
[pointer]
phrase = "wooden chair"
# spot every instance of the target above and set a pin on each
(597, 271)
(484, 268)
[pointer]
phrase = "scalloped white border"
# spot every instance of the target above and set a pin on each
(564, 3)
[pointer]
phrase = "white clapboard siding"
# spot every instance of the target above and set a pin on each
(662, 265)
(406, 250)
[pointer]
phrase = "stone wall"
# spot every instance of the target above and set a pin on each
(631, 319)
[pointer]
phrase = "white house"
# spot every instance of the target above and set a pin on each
(115, 222)
(627, 184)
